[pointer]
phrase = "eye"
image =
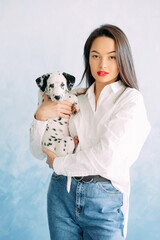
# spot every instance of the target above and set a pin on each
(95, 56)
(51, 85)
(62, 85)
(112, 57)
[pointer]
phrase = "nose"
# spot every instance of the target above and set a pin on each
(103, 63)
(57, 97)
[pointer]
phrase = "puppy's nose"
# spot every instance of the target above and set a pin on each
(57, 97)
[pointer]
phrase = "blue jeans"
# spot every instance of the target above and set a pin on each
(88, 211)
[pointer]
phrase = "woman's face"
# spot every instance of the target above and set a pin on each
(102, 60)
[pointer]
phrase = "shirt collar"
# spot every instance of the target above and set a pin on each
(90, 90)
(114, 87)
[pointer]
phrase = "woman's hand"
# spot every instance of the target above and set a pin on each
(50, 109)
(50, 157)
(76, 140)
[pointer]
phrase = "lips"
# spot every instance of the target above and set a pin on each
(102, 73)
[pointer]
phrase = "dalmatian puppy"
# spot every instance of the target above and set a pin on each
(57, 86)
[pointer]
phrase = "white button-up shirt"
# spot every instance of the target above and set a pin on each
(110, 137)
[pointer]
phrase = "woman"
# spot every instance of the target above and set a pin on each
(111, 127)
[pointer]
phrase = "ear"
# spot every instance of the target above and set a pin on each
(42, 81)
(70, 80)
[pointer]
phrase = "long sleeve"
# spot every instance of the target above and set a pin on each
(37, 130)
(118, 147)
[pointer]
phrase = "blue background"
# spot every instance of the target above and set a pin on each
(42, 36)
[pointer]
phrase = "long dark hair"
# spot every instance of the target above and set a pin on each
(123, 55)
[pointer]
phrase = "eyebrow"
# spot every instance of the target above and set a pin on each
(107, 53)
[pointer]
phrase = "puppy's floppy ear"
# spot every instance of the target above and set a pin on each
(70, 80)
(42, 81)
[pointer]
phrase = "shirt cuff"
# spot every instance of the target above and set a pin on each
(40, 125)
(58, 166)
(37, 130)
(38, 121)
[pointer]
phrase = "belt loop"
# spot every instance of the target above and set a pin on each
(78, 180)
(87, 181)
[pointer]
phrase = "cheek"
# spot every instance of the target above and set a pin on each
(93, 66)
(93, 71)
(115, 69)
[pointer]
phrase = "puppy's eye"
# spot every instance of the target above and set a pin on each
(62, 85)
(51, 85)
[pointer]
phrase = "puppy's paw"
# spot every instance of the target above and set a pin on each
(74, 109)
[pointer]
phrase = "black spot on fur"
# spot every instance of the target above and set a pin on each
(60, 123)
(70, 80)
(49, 144)
(51, 85)
(62, 85)
(42, 81)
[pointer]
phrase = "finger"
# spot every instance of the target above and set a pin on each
(76, 137)
(64, 107)
(45, 150)
(74, 107)
(46, 98)
(63, 115)
(64, 111)
(67, 103)
(76, 140)
(61, 111)
(50, 165)
(61, 108)
(48, 152)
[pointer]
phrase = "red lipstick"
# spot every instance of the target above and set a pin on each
(102, 73)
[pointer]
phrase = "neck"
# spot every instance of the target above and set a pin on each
(98, 88)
